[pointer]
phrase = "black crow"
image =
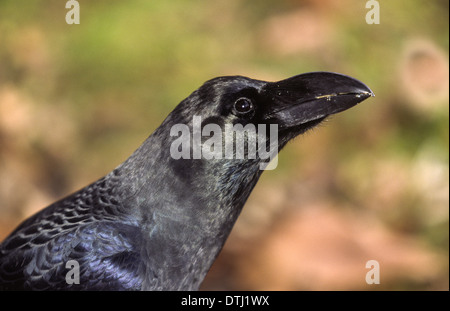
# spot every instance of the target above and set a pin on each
(158, 220)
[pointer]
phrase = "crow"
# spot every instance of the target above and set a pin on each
(159, 220)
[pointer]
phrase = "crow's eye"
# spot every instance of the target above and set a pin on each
(243, 105)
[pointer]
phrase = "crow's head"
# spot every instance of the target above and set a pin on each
(227, 131)
(251, 107)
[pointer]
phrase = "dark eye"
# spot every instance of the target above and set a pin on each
(243, 105)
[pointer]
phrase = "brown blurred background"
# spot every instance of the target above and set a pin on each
(369, 184)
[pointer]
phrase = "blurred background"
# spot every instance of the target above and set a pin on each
(369, 184)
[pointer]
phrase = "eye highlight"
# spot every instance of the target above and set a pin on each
(243, 105)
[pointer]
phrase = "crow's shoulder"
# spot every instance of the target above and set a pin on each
(107, 254)
(90, 227)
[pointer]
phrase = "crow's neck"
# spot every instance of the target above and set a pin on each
(187, 207)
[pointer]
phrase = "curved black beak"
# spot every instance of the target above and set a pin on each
(312, 97)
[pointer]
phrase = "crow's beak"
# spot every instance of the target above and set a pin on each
(312, 97)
